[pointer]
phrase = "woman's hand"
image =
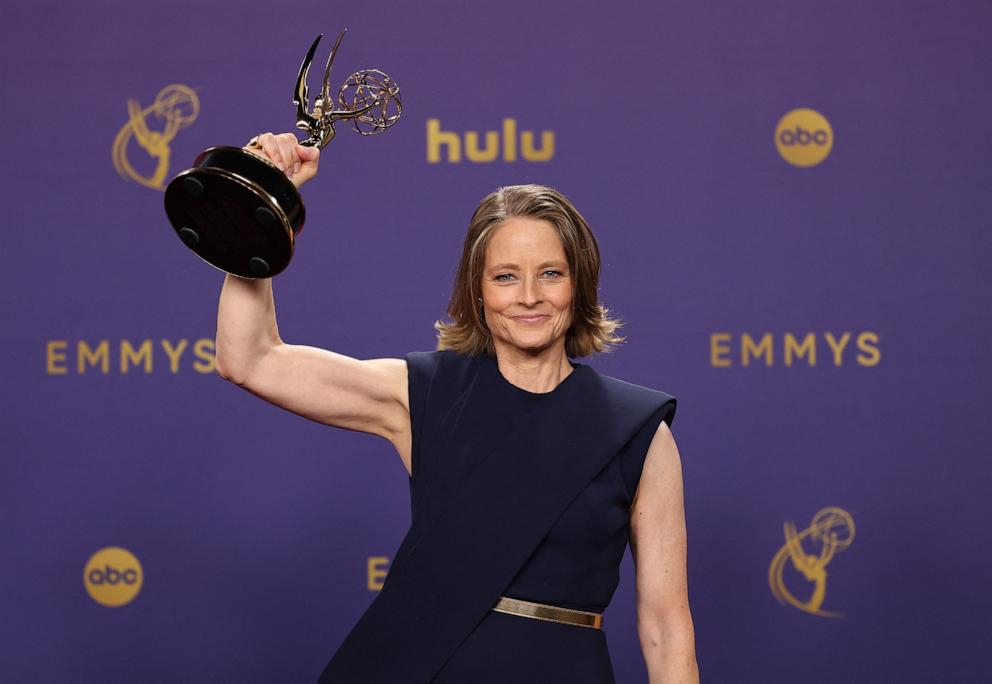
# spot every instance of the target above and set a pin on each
(299, 162)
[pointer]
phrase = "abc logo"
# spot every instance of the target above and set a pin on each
(804, 137)
(113, 576)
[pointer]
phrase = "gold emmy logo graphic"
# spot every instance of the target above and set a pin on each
(175, 107)
(832, 530)
(113, 576)
(804, 137)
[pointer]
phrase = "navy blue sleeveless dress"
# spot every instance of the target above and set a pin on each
(516, 494)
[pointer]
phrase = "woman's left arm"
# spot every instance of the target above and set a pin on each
(658, 545)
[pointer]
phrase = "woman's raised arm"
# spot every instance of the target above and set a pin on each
(367, 396)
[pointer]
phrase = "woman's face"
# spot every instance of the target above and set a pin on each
(526, 286)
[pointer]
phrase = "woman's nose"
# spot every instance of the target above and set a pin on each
(530, 292)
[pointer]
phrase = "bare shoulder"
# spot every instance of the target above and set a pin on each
(659, 491)
(663, 439)
(663, 451)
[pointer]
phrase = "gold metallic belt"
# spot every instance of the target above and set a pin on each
(542, 611)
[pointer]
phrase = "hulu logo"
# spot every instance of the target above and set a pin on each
(503, 144)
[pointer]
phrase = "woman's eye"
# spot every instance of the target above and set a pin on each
(554, 273)
(501, 276)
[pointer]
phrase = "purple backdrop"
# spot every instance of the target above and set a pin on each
(254, 528)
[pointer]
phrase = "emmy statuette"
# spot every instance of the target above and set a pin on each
(239, 212)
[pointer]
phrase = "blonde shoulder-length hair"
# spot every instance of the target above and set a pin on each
(592, 329)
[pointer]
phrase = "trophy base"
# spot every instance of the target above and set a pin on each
(237, 212)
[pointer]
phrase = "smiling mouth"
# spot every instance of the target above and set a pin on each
(530, 319)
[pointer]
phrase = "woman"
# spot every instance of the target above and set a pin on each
(529, 473)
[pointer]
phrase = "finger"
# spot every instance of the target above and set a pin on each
(277, 157)
(308, 153)
(287, 152)
(297, 159)
(311, 160)
(255, 146)
(270, 148)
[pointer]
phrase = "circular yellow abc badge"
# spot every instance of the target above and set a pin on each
(113, 576)
(804, 137)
